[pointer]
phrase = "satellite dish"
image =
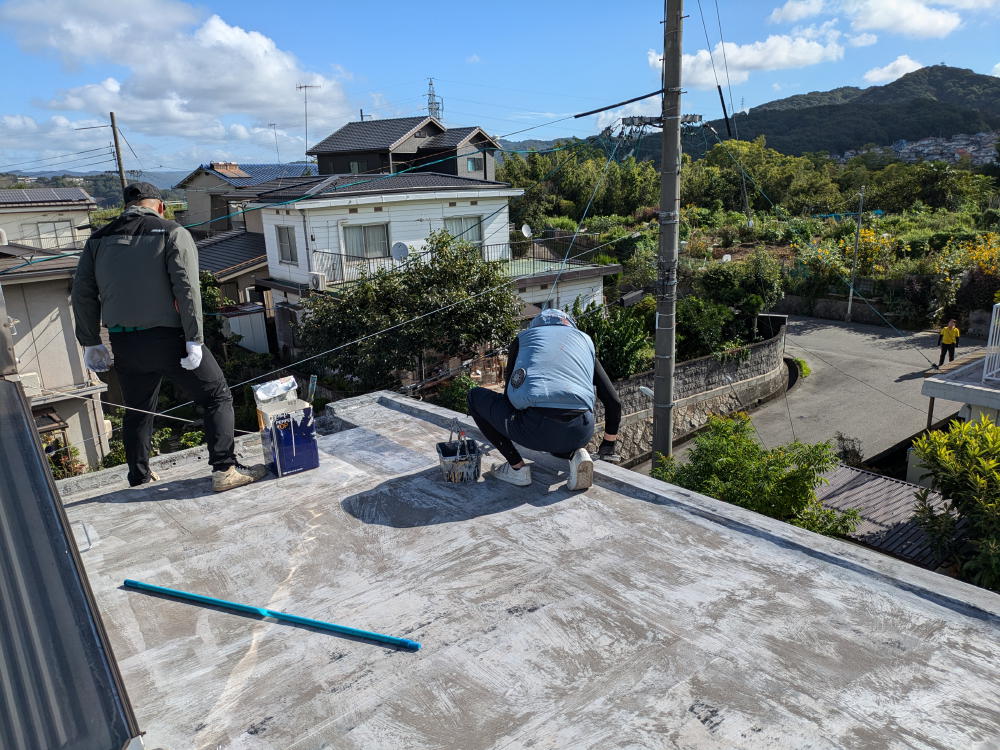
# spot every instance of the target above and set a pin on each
(399, 251)
(526, 230)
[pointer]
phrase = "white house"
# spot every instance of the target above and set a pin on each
(46, 218)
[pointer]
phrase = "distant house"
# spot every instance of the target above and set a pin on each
(65, 397)
(235, 258)
(46, 218)
(392, 145)
(207, 185)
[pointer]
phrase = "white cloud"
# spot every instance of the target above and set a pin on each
(970, 4)
(473, 58)
(795, 10)
(184, 75)
(996, 69)
(862, 40)
(777, 52)
(908, 17)
(776, 86)
(898, 67)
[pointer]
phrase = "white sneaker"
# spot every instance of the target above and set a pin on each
(521, 477)
(581, 470)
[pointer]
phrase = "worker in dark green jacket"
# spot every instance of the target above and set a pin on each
(139, 275)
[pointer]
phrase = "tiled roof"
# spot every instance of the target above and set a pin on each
(370, 135)
(231, 250)
(886, 506)
(352, 184)
(258, 173)
(43, 264)
(448, 139)
(45, 196)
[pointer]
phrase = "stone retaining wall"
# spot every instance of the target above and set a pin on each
(702, 387)
(832, 309)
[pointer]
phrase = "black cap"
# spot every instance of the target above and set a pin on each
(138, 191)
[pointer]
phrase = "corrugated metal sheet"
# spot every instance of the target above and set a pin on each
(886, 506)
(231, 249)
(59, 684)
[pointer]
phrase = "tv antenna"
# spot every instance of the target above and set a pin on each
(304, 88)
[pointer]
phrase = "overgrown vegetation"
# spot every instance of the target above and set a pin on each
(963, 464)
(729, 464)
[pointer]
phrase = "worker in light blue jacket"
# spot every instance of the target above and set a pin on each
(548, 403)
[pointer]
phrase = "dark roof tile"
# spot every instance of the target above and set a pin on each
(46, 195)
(230, 250)
(257, 173)
(370, 135)
(353, 184)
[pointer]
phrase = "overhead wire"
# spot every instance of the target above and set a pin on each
(51, 158)
(725, 62)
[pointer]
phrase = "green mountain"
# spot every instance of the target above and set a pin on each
(936, 101)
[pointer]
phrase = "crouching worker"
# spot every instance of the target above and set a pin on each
(548, 402)
(140, 275)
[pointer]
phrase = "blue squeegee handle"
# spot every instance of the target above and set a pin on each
(262, 612)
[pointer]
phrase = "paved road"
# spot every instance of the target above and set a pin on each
(865, 382)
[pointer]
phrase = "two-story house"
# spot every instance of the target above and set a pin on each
(65, 396)
(392, 145)
(205, 189)
(46, 218)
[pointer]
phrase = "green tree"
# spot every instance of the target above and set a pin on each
(454, 273)
(963, 464)
(619, 338)
(701, 324)
(729, 464)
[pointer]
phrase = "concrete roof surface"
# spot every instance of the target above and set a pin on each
(632, 615)
(964, 383)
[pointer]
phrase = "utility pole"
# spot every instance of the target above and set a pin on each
(670, 200)
(854, 263)
(435, 104)
(274, 129)
(118, 154)
(304, 88)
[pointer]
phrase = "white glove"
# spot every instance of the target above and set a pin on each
(193, 359)
(97, 358)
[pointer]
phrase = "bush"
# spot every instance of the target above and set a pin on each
(618, 336)
(728, 235)
(453, 396)
(964, 466)
(700, 326)
(804, 370)
(191, 439)
(728, 463)
(64, 460)
(601, 224)
(564, 223)
(645, 312)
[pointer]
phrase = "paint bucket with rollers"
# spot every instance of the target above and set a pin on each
(461, 459)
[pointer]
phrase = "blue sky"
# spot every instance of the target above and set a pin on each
(195, 82)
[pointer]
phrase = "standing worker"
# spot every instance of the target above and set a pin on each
(948, 340)
(548, 402)
(139, 274)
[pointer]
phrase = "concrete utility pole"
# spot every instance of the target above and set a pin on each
(118, 154)
(304, 88)
(854, 263)
(670, 200)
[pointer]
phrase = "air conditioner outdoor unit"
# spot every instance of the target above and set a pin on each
(317, 281)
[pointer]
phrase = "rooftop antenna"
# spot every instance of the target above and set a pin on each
(435, 104)
(274, 129)
(304, 88)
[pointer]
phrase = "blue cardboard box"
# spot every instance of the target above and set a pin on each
(289, 437)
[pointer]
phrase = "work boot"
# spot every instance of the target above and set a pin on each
(520, 477)
(607, 453)
(581, 470)
(236, 476)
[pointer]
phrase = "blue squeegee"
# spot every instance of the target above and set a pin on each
(262, 612)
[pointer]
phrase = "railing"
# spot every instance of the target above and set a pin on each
(521, 259)
(991, 364)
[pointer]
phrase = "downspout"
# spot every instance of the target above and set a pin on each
(305, 236)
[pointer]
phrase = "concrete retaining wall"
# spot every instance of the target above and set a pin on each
(832, 309)
(702, 387)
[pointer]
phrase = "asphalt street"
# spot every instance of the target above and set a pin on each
(865, 383)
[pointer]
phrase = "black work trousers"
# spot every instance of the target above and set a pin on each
(948, 349)
(553, 430)
(142, 360)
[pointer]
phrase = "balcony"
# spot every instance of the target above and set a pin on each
(521, 259)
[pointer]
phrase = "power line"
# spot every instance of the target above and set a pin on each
(75, 162)
(50, 158)
(725, 61)
(708, 44)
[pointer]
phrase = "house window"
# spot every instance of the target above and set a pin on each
(47, 234)
(286, 244)
(468, 228)
(367, 241)
(474, 164)
(359, 166)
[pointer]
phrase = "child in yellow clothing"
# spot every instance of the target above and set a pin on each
(948, 338)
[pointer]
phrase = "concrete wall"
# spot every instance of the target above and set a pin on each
(702, 387)
(831, 309)
(199, 200)
(587, 290)
(21, 225)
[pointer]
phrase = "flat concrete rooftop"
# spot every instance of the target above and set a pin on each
(633, 615)
(964, 384)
